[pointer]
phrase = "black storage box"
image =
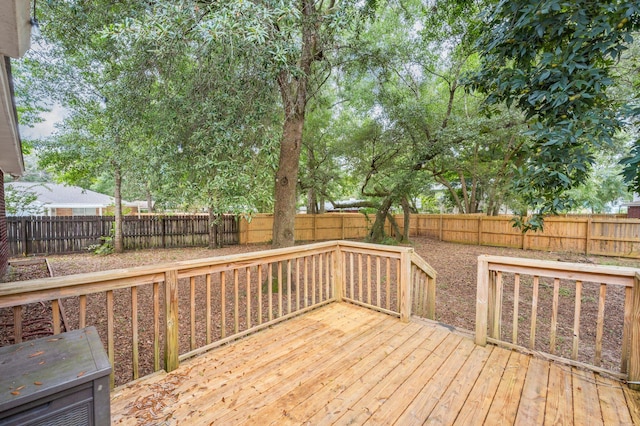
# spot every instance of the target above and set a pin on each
(56, 380)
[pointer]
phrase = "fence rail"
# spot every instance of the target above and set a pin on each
(520, 304)
(68, 234)
(590, 235)
(154, 317)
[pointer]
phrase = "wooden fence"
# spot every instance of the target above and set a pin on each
(68, 234)
(590, 235)
(597, 235)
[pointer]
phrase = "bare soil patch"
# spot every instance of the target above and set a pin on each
(456, 265)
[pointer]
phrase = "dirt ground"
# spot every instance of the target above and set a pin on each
(456, 266)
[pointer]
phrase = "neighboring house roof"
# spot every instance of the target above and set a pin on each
(54, 195)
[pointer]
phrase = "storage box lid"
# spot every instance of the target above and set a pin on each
(39, 368)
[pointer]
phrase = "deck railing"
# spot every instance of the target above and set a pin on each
(153, 317)
(601, 305)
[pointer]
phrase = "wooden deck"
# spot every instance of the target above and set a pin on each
(343, 364)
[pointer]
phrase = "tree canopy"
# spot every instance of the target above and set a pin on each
(243, 106)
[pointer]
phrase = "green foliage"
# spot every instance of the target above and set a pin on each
(553, 60)
(19, 201)
(104, 248)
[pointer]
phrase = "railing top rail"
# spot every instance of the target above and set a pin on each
(155, 273)
(576, 271)
(422, 264)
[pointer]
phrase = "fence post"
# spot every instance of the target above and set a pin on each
(634, 356)
(171, 320)
(440, 228)
(479, 230)
(162, 225)
(587, 247)
(482, 299)
(23, 236)
(405, 285)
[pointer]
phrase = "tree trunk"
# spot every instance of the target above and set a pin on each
(376, 235)
(294, 92)
(406, 209)
(286, 182)
(213, 230)
(118, 243)
(150, 208)
(312, 202)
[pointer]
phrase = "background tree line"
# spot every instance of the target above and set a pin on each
(244, 106)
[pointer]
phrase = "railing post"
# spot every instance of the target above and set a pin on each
(338, 274)
(405, 285)
(634, 356)
(482, 299)
(171, 320)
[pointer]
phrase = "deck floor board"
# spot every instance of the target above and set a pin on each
(343, 364)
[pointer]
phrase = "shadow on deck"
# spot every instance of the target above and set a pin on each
(344, 364)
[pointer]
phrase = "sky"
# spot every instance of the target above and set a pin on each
(46, 128)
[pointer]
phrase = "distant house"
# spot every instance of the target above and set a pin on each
(15, 33)
(55, 199)
(633, 207)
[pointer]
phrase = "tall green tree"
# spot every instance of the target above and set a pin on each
(553, 59)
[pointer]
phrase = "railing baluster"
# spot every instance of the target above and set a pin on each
(320, 280)
(223, 304)
(82, 315)
(55, 315)
(369, 279)
(288, 286)
(497, 312)
(600, 324)
(626, 328)
(270, 290)
(351, 277)
(327, 276)
(534, 312)
(236, 304)
(306, 281)
(134, 332)
(576, 321)
(17, 324)
(378, 300)
(260, 294)
(192, 316)
(279, 289)
(208, 309)
(516, 306)
(297, 284)
(313, 280)
(398, 269)
(248, 296)
(554, 316)
(388, 282)
(360, 281)
(156, 326)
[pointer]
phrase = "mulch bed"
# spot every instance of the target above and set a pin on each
(455, 264)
